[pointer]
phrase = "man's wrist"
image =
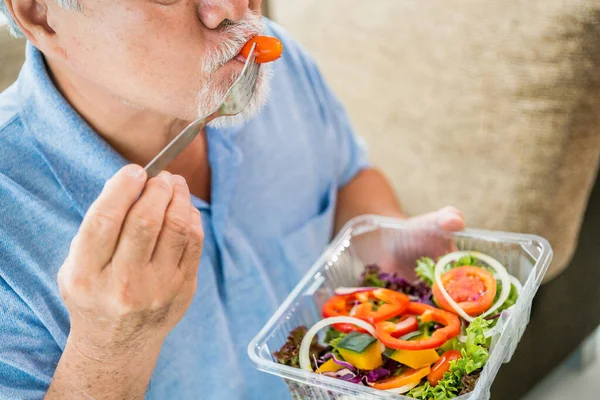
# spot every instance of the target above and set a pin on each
(114, 353)
(91, 372)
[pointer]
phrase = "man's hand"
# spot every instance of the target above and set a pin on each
(129, 278)
(448, 219)
(370, 193)
(426, 235)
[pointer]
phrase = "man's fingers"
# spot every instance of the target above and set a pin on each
(143, 224)
(99, 232)
(174, 236)
(193, 251)
(450, 219)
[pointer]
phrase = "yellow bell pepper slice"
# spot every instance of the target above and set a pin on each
(416, 359)
(367, 360)
(330, 366)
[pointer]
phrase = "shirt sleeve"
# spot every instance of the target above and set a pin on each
(28, 353)
(350, 150)
(352, 154)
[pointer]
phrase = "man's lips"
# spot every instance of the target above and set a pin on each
(240, 57)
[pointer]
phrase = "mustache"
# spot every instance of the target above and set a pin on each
(235, 34)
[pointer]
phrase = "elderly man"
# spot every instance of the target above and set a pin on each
(116, 286)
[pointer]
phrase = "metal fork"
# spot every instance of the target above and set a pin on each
(236, 99)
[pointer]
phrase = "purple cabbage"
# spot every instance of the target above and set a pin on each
(338, 361)
(417, 291)
(391, 365)
(353, 379)
(377, 374)
(366, 378)
(493, 317)
(348, 376)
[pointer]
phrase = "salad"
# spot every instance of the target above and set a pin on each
(427, 339)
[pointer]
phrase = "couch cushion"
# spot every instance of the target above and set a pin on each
(491, 106)
(12, 56)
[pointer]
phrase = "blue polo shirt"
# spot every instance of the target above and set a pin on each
(274, 186)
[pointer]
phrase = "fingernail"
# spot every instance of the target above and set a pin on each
(180, 180)
(166, 176)
(134, 171)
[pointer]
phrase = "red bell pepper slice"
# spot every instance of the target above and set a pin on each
(394, 303)
(388, 335)
(406, 324)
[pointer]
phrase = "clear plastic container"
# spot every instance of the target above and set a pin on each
(395, 245)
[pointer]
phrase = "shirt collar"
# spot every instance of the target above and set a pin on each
(80, 159)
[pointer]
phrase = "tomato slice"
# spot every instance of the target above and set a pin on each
(386, 330)
(473, 288)
(441, 366)
(359, 304)
(267, 49)
(406, 378)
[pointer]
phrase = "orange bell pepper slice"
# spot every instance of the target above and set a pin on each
(406, 378)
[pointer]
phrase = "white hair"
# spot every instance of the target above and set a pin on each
(261, 95)
(233, 37)
(14, 28)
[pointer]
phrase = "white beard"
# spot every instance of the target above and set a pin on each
(256, 104)
(212, 92)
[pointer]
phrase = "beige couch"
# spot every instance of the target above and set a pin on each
(12, 54)
(491, 106)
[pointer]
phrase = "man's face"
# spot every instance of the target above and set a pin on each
(176, 57)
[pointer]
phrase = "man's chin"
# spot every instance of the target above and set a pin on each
(258, 101)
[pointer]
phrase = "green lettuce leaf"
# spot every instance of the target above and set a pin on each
(474, 356)
(426, 270)
(331, 335)
(370, 277)
(510, 301)
(332, 338)
(467, 260)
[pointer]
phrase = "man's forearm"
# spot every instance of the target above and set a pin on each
(102, 376)
(368, 193)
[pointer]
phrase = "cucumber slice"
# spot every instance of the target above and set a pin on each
(356, 342)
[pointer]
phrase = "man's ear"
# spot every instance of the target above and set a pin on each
(32, 17)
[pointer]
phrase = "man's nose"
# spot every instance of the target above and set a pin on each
(213, 12)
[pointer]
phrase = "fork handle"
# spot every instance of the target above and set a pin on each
(174, 148)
